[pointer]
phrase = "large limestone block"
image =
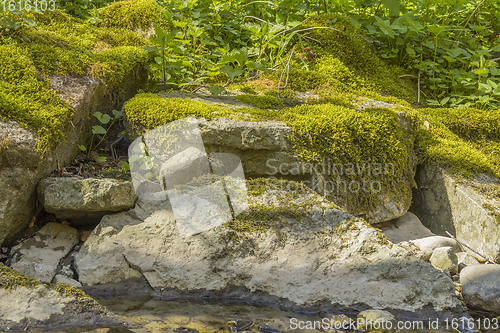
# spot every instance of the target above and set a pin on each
(265, 150)
(84, 200)
(445, 203)
(291, 244)
(39, 256)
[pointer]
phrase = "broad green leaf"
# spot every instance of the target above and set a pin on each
(392, 5)
(125, 166)
(492, 84)
(481, 71)
(484, 88)
(437, 29)
(159, 32)
(82, 147)
(105, 119)
(118, 114)
(216, 90)
(29, 21)
(445, 100)
(231, 72)
(241, 58)
(98, 130)
(102, 158)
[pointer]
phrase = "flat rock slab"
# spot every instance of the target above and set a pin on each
(481, 287)
(27, 304)
(291, 245)
(39, 256)
(85, 200)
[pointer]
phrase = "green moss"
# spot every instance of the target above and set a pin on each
(351, 138)
(134, 14)
(493, 211)
(150, 110)
(243, 87)
(261, 101)
(464, 140)
(345, 63)
(60, 45)
(10, 279)
(264, 216)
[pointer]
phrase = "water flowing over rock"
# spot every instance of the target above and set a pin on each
(462, 207)
(289, 234)
(85, 200)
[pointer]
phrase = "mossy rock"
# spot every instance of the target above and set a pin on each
(26, 303)
(346, 59)
(49, 87)
(321, 133)
(134, 14)
(60, 45)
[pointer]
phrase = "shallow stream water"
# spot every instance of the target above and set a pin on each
(153, 315)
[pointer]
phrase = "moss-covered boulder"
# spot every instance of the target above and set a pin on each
(26, 303)
(49, 89)
(359, 157)
(138, 15)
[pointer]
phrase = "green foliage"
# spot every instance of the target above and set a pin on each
(104, 119)
(13, 21)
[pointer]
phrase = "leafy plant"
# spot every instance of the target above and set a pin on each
(141, 163)
(104, 119)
